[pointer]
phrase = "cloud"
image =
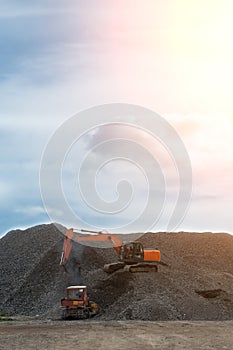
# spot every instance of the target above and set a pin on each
(61, 58)
(4, 189)
(31, 211)
(11, 8)
(119, 173)
(35, 211)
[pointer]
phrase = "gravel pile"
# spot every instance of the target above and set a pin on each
(195, 281)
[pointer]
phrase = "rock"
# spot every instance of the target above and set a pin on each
(194, 283)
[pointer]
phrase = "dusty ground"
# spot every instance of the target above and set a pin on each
(56, 335)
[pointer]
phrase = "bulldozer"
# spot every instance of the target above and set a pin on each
(132, 256)
(77, 305)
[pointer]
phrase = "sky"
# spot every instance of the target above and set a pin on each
(173, 57)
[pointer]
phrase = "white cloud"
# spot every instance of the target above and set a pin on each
(38, 210)
(10, 9)
(99, 64)
(4, 189)
(31, 211)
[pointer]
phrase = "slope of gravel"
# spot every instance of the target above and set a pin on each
(194, 283)
(29, 264)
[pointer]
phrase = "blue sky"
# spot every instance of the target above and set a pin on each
(58, 58)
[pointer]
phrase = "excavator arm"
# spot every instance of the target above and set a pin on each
(67, 247)
(72, 235)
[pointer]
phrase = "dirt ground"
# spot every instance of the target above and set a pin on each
(56, 335)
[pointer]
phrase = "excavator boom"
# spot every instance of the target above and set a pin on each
(132, 256)
(71, 235)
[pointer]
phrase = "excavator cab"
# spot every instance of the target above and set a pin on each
(131, 252)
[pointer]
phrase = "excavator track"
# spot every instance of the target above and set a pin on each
(142, 267)
(139, 267)
(110, 268)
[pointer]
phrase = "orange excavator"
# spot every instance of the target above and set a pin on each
(132, 256)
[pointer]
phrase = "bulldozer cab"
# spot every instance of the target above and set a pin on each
(76, 293)
(132, 252)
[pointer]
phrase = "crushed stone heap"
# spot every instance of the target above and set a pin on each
(195, 281)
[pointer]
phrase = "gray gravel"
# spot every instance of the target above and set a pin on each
(195, 283)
